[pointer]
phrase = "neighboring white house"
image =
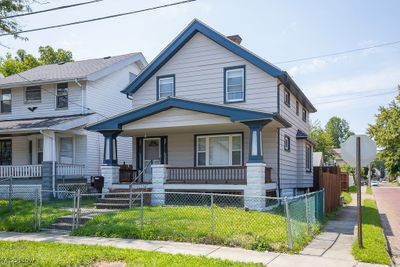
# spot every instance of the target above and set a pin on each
(211, 116)
(43, 112)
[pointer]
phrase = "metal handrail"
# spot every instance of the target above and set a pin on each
(139, 175)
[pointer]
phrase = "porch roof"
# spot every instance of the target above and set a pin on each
(234, 114)
(60, 123)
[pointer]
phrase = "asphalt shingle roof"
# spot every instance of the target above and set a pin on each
(66, 71)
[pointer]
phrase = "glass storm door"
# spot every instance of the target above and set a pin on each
(151, 155)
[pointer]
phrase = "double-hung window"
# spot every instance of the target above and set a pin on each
(62, 96)
(308, 158)
(286, 143)
(297, 108)
(287, 98)
(66, 150)
(165, 86)
(304, 115)
(235, 84)
(219, 150)
(33, 94)
(5, 98)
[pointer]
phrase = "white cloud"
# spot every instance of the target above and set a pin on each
(315, 65)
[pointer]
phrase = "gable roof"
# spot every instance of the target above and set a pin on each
(235, 114)
(90, 69)
(197, 26)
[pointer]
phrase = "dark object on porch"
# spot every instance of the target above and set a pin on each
(126, 173)
(97, 182)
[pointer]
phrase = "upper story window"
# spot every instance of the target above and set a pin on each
(308, 158)
(62, 96)
(219, 150)
(5, 100)
(286, 98)
(165, 86)
(33, 94)
(304, 115)
(286, 143)
(297, 108)
(235, 84)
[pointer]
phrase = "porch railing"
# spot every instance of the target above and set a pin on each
(21, 171)
(69, 169)
(207, 175)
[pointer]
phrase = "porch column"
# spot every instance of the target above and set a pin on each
(254, 192)
(110, 168)
(49, 162)
(159, 178)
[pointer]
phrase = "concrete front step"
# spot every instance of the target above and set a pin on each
(68, 219)
(115, 206)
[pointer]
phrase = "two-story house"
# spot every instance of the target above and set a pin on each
(211, 116)
(43, 112)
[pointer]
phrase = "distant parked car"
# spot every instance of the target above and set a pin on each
(374, 183)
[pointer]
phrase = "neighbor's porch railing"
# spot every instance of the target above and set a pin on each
(21, 171)
(207, 175)
(70, 169)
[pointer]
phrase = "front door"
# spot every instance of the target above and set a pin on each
(5, 152)
(151, 155)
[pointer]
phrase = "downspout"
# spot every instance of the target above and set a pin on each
(53, 167)
(128, 96)
(278, 172)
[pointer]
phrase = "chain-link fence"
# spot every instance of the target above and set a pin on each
(258, 223)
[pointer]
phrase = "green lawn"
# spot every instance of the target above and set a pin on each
(347, 197)
(233, 227)
(27, 253)
(369, 190)
(20, 218)
(374, 250)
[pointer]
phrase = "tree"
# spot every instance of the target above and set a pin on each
(386, 133)
(22, 61)
(338, 129)
(323, 140)
(11, 7)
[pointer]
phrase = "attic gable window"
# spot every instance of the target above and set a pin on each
(33, 94)
(165, 86)
(235, 78)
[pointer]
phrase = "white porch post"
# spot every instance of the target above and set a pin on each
(159, 178)
(111, 175)
(49, 159)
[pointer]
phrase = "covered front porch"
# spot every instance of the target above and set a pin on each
(34, 150)
(185, 145)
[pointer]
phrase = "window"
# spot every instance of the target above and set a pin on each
(286, 143)
(62, 95)
(66, 150)
(219, 150)
(234, 84)
(304, 114)
(308, 158)
(33, 94)
(39, 151)
(165, 86)
(286, 98)
(5, 98)
(297, 108)
(5, 152)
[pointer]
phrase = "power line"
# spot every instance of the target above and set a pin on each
(339, 53)
(99, 18)
(50, 9)
(351, 99)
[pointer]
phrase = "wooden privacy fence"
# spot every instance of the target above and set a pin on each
(344, 182)
(330, 178)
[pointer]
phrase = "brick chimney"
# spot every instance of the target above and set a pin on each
(236, 38)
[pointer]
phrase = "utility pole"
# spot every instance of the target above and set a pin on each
(358, 176)
(369, 174)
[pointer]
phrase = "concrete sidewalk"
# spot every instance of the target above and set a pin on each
(235, 254)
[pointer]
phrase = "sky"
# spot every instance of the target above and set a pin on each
(351, 86)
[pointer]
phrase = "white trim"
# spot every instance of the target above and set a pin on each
(226, 84)
(159, 85)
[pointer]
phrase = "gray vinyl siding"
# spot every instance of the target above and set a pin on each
(199, 75)
(47, 106)
(292, 164)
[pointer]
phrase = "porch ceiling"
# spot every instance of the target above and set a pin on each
(190, 110)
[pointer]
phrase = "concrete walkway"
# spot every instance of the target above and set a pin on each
(235, 254)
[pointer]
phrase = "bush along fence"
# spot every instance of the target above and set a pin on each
(274, 224)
